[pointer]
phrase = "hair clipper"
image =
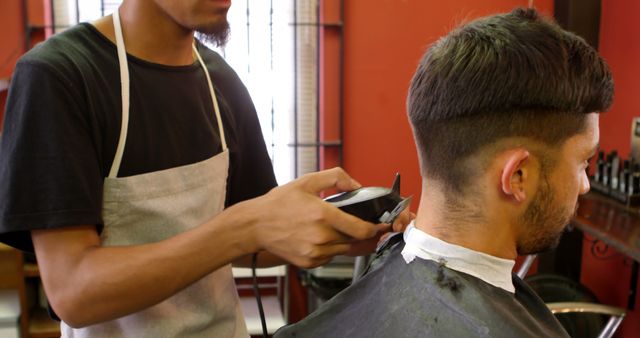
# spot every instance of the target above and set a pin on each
(372, 204)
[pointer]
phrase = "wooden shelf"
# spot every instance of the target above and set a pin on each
(41, 326)
(31, 270)
(612, 222)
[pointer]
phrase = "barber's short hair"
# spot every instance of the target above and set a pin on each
(507, 75)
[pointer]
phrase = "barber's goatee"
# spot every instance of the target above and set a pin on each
(217, 35)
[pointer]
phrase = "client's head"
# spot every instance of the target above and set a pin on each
(504, 112)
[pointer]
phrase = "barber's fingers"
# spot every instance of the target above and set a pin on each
(332, 236)
(403, 220)
(331, 178)
(351, 225)
(320, 255)
(365, 247)
(357, 248)
(337, 249)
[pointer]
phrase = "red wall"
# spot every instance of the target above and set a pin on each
(384, 40)
(11, 42)
(12, 34)
(619, 45)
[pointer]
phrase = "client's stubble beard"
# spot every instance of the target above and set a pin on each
(545, 221)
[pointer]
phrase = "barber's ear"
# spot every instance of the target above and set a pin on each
(514, 174)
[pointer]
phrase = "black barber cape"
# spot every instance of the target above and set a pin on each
(426, 299)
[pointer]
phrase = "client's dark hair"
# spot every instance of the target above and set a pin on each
(507, 75)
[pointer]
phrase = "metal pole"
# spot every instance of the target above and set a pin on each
(318, 85)
(248, 41)
(77, 11)
(526, 265)
(27, 27)
(273, 122)
(295, 86)
(53, 18)
(341, 86)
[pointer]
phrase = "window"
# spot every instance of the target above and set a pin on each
(273, 47)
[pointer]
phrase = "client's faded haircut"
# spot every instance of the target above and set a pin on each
(509, 75)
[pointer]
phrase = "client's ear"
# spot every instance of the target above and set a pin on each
(515, 172)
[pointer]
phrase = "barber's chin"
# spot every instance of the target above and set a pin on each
(214, 26)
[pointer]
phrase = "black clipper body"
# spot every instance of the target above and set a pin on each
(372, 204)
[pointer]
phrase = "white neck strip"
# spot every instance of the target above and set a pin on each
(493, 270)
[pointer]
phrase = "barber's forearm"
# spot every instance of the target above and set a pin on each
(96, 284)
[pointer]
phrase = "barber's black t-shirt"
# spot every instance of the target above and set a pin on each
(62, 124)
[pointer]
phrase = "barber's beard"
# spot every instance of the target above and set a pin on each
(216, 34)
(544, 222)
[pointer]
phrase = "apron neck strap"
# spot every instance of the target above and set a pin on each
(125, 94)
(124, 90)
(214, 98)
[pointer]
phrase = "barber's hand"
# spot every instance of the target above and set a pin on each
(368, 246)
(403, 220)
(299, 227)
(399, 225)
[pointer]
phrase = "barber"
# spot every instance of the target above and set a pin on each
(133, 165)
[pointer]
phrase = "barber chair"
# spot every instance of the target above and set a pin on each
(615, 315)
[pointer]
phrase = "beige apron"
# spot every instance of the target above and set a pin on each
(155, 206)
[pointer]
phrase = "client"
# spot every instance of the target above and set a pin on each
(504, 112)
